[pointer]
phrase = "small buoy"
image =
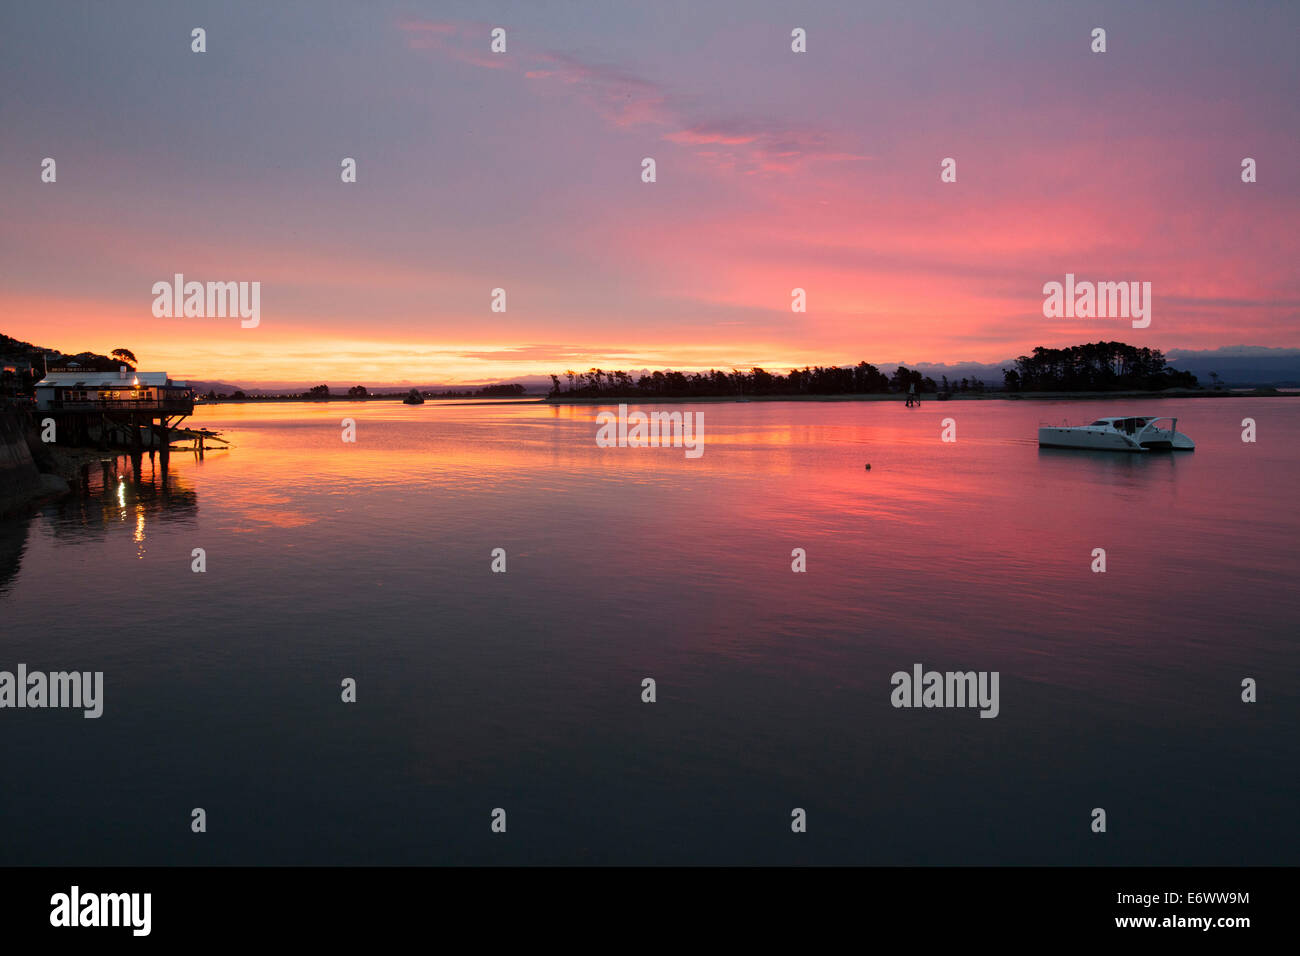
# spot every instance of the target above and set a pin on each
(868, 466)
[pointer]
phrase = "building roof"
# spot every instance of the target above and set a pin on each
(92, 379)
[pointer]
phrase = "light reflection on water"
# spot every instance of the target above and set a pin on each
(327, 559)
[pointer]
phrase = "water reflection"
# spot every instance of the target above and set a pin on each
(13, 542)
(126, 492)
(328, 558)
(123, 491)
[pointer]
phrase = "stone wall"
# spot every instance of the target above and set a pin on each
(19, 477)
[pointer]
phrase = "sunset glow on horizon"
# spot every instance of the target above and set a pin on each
(522, 171)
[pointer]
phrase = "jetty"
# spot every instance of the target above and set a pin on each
(137, 410)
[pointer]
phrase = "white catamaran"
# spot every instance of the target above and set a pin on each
(1141, 433)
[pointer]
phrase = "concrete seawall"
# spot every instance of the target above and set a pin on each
(19, 476)
(21, 481)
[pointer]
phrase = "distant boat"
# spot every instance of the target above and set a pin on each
(413, 397)
(1139, 433)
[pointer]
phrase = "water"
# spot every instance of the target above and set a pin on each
(476, 690)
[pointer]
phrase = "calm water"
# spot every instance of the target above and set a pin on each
(521, 690)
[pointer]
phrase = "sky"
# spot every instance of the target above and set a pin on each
(522, 170)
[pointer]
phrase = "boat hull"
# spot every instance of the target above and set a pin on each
(1087, 439)
(1106, 439)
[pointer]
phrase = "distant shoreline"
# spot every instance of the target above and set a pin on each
(399, 399)
(928, 398)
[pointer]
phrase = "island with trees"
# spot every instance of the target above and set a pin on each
(1099, 367)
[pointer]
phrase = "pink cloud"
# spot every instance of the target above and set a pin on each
(453, 39)
(699, 135)
(617, 96)
(625, 100)
(426, 26)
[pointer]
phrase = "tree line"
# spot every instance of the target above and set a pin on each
(859, 379)
(1098, 367)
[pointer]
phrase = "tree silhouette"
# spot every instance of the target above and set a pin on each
(1095, 367)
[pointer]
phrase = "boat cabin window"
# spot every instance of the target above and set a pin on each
(1101, 421)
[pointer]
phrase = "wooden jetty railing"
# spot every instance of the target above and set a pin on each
(175, 405)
